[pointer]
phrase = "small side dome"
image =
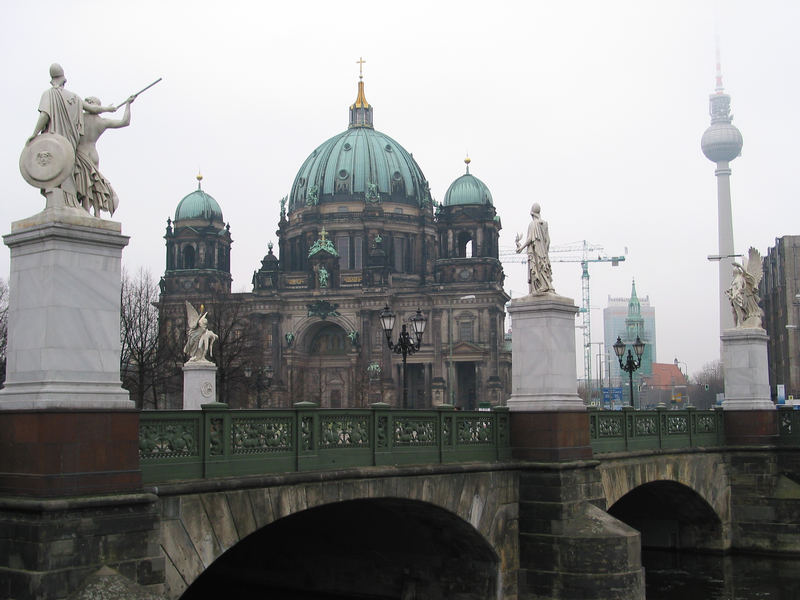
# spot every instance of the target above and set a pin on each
(467, 189)
(198, 206)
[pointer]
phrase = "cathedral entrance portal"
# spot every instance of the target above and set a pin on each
(466, 386)
(416, 386)
(325, 367)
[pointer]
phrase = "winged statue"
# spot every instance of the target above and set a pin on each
(743, 291)
(199, 338)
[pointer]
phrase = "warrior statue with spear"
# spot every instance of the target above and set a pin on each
(60, 158)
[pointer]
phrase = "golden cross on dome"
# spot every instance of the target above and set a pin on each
(322, 234)
(360, 62)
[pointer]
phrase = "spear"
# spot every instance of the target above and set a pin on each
(139, 92)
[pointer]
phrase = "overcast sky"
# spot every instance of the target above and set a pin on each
(593, 109)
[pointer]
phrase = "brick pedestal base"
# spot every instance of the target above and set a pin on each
(751, 427)
(546, 436)
(68, 452)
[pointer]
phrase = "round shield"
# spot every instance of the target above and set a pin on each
(47, 160)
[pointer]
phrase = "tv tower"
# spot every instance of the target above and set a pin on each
(721, 143)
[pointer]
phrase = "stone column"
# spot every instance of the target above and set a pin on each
(63, 318)
(549, 420)
(750, 415)
(199, 384)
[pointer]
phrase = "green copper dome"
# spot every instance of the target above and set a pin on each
(359, 163)
(198, 205)
(467, 189)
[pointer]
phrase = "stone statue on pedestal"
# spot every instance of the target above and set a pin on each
(94, 190)
(60, 158)
(199, 339)
(743, 291)
(540, 274)
(47, 163)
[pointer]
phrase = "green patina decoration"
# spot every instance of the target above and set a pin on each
(323, 244)
(322, 309)
(372, 194)
(312, 196)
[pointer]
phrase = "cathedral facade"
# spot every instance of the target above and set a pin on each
(358, 232)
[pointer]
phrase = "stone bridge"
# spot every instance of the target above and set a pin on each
(404, 504)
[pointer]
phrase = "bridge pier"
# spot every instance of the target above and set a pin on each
(70, 483)
(570, 548)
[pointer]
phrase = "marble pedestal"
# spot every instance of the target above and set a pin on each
(750, 415)
(199, 384)
(744, 361)
(548, 420)
(66, 425)
(63, 320)
(543, 374)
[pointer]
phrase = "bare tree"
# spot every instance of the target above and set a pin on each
(235, 349)
(139, 359)
(706, 384)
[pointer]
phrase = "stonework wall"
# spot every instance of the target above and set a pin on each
(49, 547)
(198, 526)
(765, 506)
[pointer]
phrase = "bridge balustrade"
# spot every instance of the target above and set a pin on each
(218, 442)
(661, 429)
(788, 426)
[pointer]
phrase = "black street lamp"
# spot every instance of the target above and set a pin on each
(264, 377)
(630, 364)
(404, 345)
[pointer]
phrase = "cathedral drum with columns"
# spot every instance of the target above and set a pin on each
(358, 231)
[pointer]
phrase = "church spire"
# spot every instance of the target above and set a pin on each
(634, 306)
(360, 110)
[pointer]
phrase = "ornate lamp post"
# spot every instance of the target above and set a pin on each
(630, 364)
(405, 345)
(263, 380)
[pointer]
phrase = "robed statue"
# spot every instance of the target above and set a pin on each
(537, 242)
(743, 291)
(60, 157)
(199, 338)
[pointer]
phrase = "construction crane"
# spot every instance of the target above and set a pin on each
(585, 253)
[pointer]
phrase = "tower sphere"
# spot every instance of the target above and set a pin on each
(721, 142)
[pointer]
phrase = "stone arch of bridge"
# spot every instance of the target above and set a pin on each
(459, 522)
(675, 500)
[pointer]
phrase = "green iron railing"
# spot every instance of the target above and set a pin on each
(661, 429)
(788, 426)
(218, 442)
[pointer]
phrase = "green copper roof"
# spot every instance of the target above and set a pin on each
(634, 307)
(467, 189)
(347, 163)
(198, 205)
(359, 163)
